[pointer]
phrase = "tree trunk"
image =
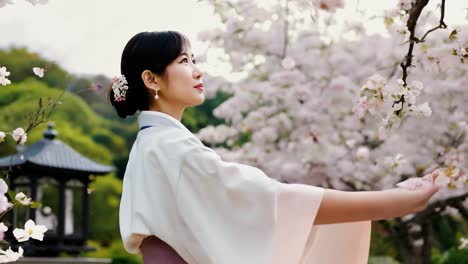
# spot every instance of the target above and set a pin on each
(426, 236)
(407, 252)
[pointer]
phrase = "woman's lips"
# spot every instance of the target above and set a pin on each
(199, 87)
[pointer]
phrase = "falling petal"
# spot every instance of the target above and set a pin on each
(38, 71)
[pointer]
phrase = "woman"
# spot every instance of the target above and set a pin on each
(182, 204)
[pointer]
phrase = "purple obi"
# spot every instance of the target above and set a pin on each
(156, 251)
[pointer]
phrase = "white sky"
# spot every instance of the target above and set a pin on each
(87, 36)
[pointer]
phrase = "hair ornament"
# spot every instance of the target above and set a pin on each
(120, 87)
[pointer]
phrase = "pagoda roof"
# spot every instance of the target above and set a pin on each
(50, 153)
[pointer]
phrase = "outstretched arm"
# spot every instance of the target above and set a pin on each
(342, 206)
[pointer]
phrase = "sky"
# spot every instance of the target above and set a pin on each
(88, 36)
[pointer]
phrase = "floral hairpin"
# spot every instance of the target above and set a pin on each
(119, 86)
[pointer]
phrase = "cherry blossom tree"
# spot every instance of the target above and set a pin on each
(322, 102)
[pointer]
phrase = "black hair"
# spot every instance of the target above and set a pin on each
(146, 51)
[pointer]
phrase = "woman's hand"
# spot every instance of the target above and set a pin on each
(420, 190)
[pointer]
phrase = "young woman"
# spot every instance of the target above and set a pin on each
(181, 203)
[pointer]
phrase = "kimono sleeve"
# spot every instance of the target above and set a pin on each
(238, 214)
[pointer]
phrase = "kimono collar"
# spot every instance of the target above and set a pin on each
(155, 118)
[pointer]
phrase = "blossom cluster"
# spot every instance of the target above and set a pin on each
(18, 135)
(400, 100)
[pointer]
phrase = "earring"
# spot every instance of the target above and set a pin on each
(156, 96)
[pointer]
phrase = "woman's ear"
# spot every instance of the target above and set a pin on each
(150, 79)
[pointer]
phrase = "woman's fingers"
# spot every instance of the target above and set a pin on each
(435, 174)
(416, 183)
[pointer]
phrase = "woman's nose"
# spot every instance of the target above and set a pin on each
(197, 74)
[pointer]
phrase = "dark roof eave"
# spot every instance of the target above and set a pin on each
(28, 166)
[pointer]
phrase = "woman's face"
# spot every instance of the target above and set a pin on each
(182, 82)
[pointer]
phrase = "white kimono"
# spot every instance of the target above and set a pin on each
(216, 212)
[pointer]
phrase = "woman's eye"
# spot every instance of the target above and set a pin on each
(185, 60)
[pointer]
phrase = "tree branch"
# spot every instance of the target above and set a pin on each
(414, 14)
(285, 30)
(441, 22)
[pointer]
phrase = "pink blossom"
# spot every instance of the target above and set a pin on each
(38, 71)
(3, 229)
(3, 187)
(415, 183)
(360, 107)
(19, 135)
(4, 204)
(4, 74)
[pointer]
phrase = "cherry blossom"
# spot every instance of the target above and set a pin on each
(331, 106)
(406, 4)
(38, 71)
(22, 198)
(464, 243)
(3, 76)
(4, 204)
(415, 183)
(9, 255)
(3, 187)
(31, 230)
(3, 229)
(19, 135)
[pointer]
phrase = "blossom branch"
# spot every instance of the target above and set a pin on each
(286, 30)
(441, 25)
(414, 14)
(38, 117)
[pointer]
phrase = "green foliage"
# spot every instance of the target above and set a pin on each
(438, 258)
(124, 260)
(382, 260)
(200, 116)
(104, 211)
(77, 124)
(446, 228)
(457, 256)
(20, 61)
(381, 244)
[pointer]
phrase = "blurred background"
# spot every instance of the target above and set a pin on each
(79, 43)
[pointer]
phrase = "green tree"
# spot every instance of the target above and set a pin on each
(19, 62)
(104, 213)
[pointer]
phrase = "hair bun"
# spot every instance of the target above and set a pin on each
(124, 108)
